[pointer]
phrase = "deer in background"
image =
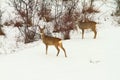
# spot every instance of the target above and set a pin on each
(87, 25)
(48, 40)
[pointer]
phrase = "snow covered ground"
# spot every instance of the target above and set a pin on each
(88, 59)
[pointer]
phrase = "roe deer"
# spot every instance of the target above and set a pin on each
(47, 40)
(87, 25)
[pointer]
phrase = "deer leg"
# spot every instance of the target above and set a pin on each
(46, 48)
(95, 33)
(57, 50)
(61, 46)
(82, 33)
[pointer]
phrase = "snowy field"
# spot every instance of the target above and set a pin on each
(88, 59)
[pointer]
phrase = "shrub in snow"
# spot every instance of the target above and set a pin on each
(118, 8)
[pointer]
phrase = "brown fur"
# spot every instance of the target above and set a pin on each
(88, 25)
(47, 40)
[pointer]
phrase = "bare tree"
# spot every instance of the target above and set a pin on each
(88, 10)
(117, 8)
(29, 12)
(45, 11)
(66, 21)
(26, 11)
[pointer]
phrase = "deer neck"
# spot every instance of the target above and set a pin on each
(42, 36)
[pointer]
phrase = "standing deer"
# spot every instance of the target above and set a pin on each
(87, 25)
(47, 40)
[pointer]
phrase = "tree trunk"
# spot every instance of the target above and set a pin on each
(1, 32)
(67, 35)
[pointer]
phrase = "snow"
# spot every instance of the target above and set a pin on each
(88, 59)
